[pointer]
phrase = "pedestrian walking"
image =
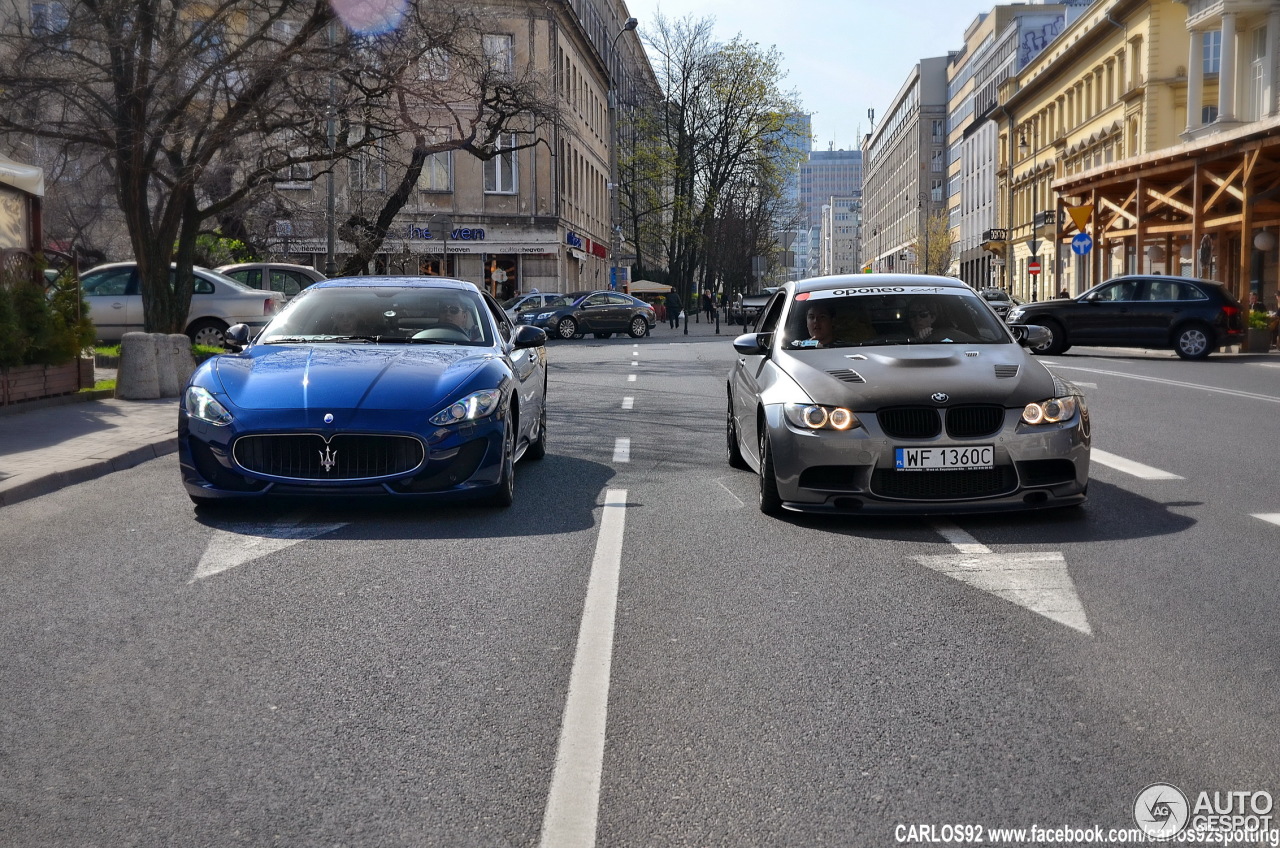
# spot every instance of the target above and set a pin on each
(708, 305)
(673, 309)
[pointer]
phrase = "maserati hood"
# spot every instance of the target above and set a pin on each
(346, 376)
(870, 378)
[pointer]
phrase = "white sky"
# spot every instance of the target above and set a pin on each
(843, 56)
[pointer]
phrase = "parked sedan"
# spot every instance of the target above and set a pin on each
(415, 387)
(999, 300)
(1193, 317)
(601, 313)
(114, 296)
(900, 393)
(532, 302)
(282, 277)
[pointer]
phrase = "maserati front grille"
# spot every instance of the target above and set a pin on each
(342, 458)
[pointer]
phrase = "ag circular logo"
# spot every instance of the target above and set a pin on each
(1161, 810)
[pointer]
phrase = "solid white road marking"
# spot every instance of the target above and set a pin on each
(1180, 383)
(1267, 364)
(1037, 581)
(628, 402)
(622, 450)
(1272, 517)
(1128, 466)
(243, 542)
(574, 801)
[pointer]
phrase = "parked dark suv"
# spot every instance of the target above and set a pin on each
(1193, 317)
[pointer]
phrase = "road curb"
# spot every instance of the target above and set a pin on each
(56, 480)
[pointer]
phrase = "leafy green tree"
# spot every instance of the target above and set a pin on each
(13, 343)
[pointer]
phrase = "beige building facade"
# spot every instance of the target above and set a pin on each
(1157, 120)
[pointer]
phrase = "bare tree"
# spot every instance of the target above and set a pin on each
(198, 110)
(934, 244)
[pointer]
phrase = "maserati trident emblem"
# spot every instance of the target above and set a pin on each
(940, 397)
(328, 418)
(328, 458)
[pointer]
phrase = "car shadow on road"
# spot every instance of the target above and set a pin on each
(578, 485)
(1110, 513)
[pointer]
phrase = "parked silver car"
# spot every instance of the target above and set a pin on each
(513, 306)
(282, 277)
(901, 393)
(114, 296)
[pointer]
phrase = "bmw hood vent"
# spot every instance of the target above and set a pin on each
(1006, 370)
(847, 375)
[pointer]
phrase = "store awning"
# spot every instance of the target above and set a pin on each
(22, 177)
(647, 287)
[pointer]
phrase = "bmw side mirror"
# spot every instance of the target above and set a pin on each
(527, 335)
(236, 338)
(1031, 335)
(753, 344)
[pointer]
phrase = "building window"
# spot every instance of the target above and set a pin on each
(433, 64)
(369, 166)
(1260, 82)
(937, 159)
(1212, 51)
(436, 172)
(500, 171)
(48, 19)
(498, 50)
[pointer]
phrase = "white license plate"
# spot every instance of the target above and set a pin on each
(944, 459)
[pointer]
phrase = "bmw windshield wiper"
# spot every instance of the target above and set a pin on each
(289, 340)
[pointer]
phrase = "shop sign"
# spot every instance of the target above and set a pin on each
(573, 240)
(458, 234)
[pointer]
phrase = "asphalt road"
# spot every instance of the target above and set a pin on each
(378, 675)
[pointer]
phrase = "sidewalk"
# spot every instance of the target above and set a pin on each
(49, 447)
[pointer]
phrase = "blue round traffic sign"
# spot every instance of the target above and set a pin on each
(1081, 244)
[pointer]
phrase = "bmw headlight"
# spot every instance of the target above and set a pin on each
(203, 406)
(1050, 411)
(814, 416)
(473, 407)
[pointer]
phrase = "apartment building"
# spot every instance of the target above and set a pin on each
(905, 170)
(1154, 125)
(839, 235)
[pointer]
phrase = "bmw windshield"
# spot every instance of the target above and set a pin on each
(851, 318)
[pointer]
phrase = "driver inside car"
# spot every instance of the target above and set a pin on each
(456, 313)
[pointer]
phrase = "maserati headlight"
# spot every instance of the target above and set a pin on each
(1050, 411)
(813, 416)
(473, 407)
(202, 405)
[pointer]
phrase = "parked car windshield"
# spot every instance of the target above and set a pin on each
(937, 316)
(385, 314)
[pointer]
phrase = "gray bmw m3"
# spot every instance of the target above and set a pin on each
(901, 394)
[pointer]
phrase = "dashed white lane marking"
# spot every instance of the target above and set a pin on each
(574, 800)
(1267, 364)
(631, 378)
(622, 450)
(1037, 581)
(1084, 385)
(245, 541)
(628, 402)
(635, 353)
(1270, 517)
(1128, 466)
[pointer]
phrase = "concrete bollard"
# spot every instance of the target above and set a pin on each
(138, 377)
(183, 360)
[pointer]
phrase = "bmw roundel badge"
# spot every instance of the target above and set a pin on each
(940, 397)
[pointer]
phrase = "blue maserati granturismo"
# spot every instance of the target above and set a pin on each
(396, 386)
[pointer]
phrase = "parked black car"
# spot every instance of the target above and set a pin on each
(601, 313)
(1193, 317)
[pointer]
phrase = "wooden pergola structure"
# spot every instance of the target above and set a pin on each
(1202, 201)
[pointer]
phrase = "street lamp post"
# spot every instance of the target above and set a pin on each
(615, 228)
(1035, 161)
(924, 215)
